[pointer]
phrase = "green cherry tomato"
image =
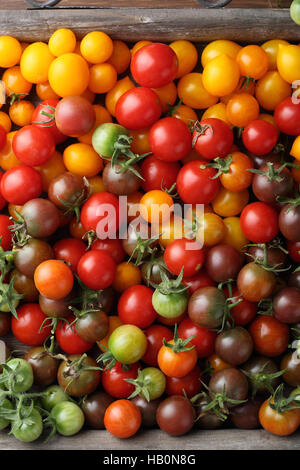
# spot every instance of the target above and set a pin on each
(295, 11)
(4, 306)
(20, 376)
(53, 395)
(153, 381)
(127, 343)
(5, 404)
(169, 305)
(105, 137)
(68, 417)
(29, 428)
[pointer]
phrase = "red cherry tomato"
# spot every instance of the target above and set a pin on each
(33, 145)
(170, 139)
(114, 380)
(2, 138)
(138, 108)
(27, 328)
(5, 233)
(69, 340)
(184, 254)
(270, 336)
(154, 65)
(98, 209)
(259, 222)
(69, 250)
(212, 138)
(188, 386)
(112, 246)
(287, 116)
(195, 184)
(158, 174)
(135, 306)
(201, 279)
(44, 116)
(20, 184)
(155, 335)
(260, 137)
(96, 269)
(204, 340)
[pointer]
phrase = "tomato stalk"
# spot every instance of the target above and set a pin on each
(16, 97)
(261, 379)
(51, 116)
(264, 263)
(280, 403)
(19, 230)
(179, 345)
(220, 164)
(143, 248)
(292, 202)
(199, 130)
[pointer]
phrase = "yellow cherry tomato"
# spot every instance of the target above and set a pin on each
(127, 275)
(10, 51)
(253, 61)
(140, 142)
(62, 41)
(51, 169)
(271, 48)
(96, 47)
(192, 93)
(170, 230)
(103, 78)
(139, 45)
(187, 56)
(295, 150)
(21, 112)
(269, 118)
(156, 206)
(230, 203)
(186, 114)
(234, 235)
(241, 109)
(211, 229)
(167, 95)
(237, 177)
(114, 322)
(5, 121)
(271, 90)
(217, 48)
(217, 111)
(288, 62)
(82, 160)
(102, 116)
(116, 92)
(69, 75)
(96, 184)
(221, 76)
(35, 62)
(15, 83)
(7, 157)
(121, 56)
(45, 92)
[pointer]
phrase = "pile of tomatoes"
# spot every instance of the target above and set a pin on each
(197, 327)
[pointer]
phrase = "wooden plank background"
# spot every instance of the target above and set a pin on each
(15, 4)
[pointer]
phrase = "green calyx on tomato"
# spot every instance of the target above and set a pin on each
(178, 344)
(113, 142)
(222, 165)
(17, 375)
(150, 383)
(170, 297)
(19, 230)
(66, 417)
(280, 403)
(74, 206)
(264, 263)
(9, 298)
(261, 379)
(27, 425)
(143, 248)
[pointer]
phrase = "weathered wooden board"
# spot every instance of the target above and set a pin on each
(15, 4)
(225, 439)
(132, 24)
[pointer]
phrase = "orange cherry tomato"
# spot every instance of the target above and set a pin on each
(140, 142)
(216, 48)
(156, 206)
(281, 424)
(217, 363)
(51, 169)
(35, 62)
(186, 114)
(21, 113)
(192, 93)
(15, 83)
(62, 41)
(116, 92)
(121, 56)
(45, 92)
(221, 76)
(96, 47)
(82, 160)
(244, 86)
(229, 203)
(10, 51)
(138, 45)
(127, 275)
(234, 236)
(96, 184)
(217, 111)
(176, 364)
(241, 109)
(7, 157)
(238, 177)
(53, 279)
(69, 75)
(187, 56)
(167, 95)
(253, 61)
(271, 90)
(122, 418)
(103, 78)
(5, 121)
(171, 230)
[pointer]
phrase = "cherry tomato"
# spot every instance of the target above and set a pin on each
(204, 339)
(69, 340)
(138, 108)
(154, 65)
(27, 328)
(135, 306)
(5, 233)
(21, 184)
(253, 61)
(259, 222)
(53, 279)
(96, 269)
(158, 174)
(270, 336)
(114, 379)
(170, 139)
(287, 116)
(33, 145)
(188, 386)
(92, 213)
(281, 424)
(122, 418)
(195, 184)
(69, 250)
(44, 117)
(260, 137)
(184, 254)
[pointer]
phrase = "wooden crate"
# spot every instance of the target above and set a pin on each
(133, 24)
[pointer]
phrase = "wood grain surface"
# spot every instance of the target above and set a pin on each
(221, 439)
(132, 24)
(15, 4)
